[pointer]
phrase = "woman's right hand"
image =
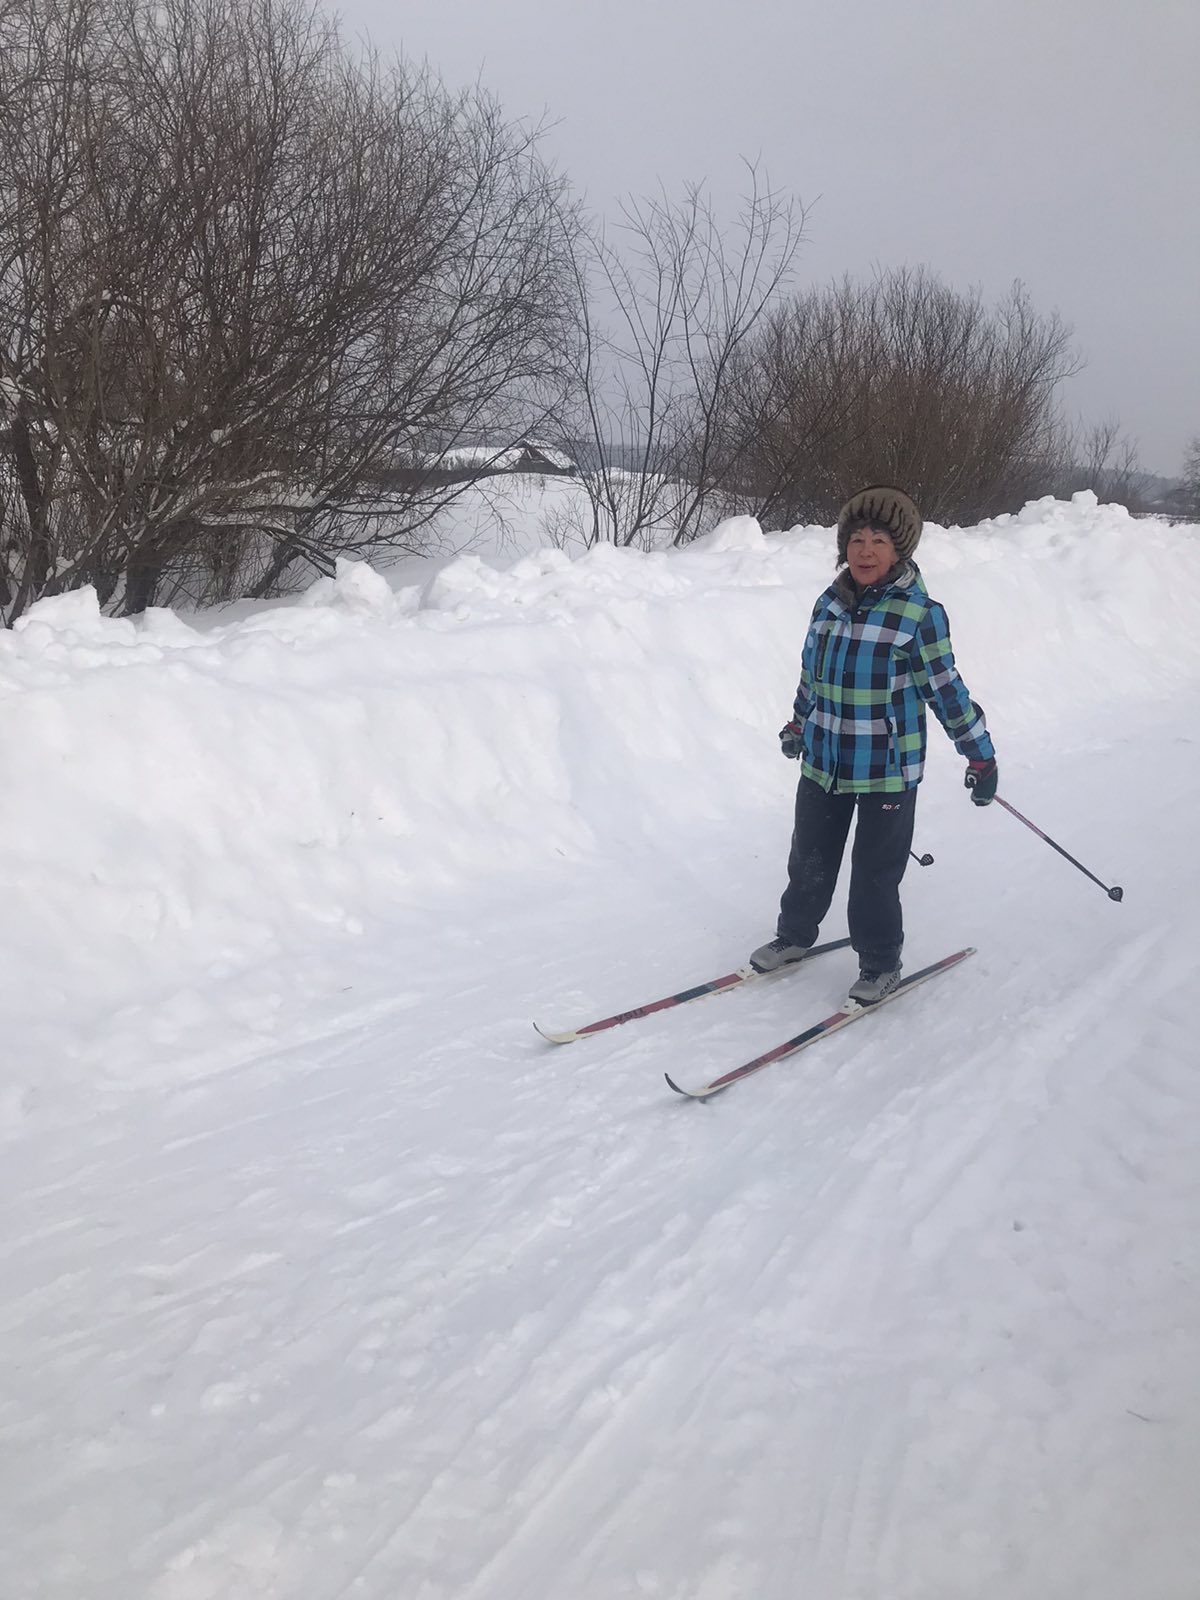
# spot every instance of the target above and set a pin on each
(791, 741)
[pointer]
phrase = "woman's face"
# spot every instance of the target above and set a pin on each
(871, 555)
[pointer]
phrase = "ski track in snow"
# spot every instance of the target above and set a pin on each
(403, 1302)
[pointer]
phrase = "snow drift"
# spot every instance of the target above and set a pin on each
(177, 795)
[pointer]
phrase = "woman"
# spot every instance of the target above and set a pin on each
(877, 652)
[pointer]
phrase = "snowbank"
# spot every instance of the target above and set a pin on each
(176, 795)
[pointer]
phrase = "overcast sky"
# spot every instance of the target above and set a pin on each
(1055, 141)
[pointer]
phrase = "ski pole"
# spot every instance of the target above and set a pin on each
(1114, 893)
(922, 861)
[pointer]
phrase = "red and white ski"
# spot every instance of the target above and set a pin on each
(731, 980)
(850, 1012)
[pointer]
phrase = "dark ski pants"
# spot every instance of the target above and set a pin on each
(882, 839)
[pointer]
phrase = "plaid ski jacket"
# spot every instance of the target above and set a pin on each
(870, 665)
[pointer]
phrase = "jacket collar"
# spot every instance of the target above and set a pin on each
(904, 576)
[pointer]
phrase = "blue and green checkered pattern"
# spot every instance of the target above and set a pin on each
(870, 666)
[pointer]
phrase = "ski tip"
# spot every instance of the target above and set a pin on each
(553, 1038)
(690, 1094)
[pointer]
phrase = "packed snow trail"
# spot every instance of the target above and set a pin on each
(324, 1277)
(426, 1307)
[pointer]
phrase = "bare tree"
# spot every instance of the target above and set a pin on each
(1188, 494)
(1105, 460)
(667, 300)
(243, 273)
(793, 407)
(903, 380)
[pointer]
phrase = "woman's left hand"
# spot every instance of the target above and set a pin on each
(981, 779)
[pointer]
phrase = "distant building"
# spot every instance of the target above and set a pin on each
(526, 455)
(461, 463)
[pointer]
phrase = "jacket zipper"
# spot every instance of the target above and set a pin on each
(823, 658)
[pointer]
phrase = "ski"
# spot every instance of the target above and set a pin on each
(731, 980)
(850, 1012)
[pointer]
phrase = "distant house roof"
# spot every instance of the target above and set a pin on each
(523, 455)
(463, 463)
(558, 459)
(476, 457)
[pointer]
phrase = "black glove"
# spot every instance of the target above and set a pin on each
(981, 779)
(791, 741)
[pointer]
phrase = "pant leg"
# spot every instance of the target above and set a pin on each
(818, 843)
(882, 839)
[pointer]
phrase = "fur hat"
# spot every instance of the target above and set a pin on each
(889, 510)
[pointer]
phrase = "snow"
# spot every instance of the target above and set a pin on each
(324, 1277)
